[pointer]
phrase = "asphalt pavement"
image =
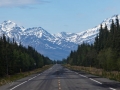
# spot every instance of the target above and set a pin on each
(59, 78)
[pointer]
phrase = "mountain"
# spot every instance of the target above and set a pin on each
(44, 42)
(55, 46)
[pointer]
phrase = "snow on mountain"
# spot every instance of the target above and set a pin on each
(11, 30)
(87, 36)
(56, 46)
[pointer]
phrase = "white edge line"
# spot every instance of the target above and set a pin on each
(83, 76)
(24, 82)
(30, 79)
(95, 80)
(76, 73)
(112, 88)
(18, 85)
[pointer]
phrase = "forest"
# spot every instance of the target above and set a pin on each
(103, 54)
(16, 58)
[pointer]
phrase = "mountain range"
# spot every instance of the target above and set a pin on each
(55, 46)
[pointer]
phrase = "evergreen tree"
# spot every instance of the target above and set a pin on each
(105, 53)
(16, 58)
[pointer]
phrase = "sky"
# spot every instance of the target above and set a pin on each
(58, 15)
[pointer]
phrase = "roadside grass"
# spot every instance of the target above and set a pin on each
(113, 75)
(11, 78)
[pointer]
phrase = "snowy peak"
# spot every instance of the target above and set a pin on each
(8, 22)
(87, 36)
(38, 32)
(108, 21)
(56, 46)
(8, 26)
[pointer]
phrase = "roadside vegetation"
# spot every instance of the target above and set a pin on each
(113, 75)
(17, 61)
(101, 58)
(10, 79)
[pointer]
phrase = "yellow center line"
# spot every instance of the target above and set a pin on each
(59, 87)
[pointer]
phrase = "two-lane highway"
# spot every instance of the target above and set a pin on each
(60, 78)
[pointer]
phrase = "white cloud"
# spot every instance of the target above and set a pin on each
(16, 3)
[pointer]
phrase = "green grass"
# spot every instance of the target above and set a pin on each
(11, 78)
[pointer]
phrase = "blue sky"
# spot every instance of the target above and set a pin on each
(58, 15)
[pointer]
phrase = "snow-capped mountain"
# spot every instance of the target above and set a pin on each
(55, 46)
(44, 42)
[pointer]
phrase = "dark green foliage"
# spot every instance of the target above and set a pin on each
(16, 58)
(105, 53)
(84, 56)
(107, 59)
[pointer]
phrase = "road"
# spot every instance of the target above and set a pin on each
(60, 78)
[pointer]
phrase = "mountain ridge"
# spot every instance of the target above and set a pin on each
(56, 46)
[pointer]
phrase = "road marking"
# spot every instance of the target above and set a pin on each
(112, 88)
(50, 68)
(59, 86)
(29, 79)
(76, 72)
(38, 75)
(18, 85)
(95, 80)
(83, 76)
(24, 82)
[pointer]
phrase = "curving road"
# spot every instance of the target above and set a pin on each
(60, 78)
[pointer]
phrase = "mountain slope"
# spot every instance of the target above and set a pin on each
(37, 37)
(56, 46)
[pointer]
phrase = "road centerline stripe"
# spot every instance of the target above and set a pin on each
(59, 86)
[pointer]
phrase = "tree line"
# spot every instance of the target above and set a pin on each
(16, 58)
(104, 53)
